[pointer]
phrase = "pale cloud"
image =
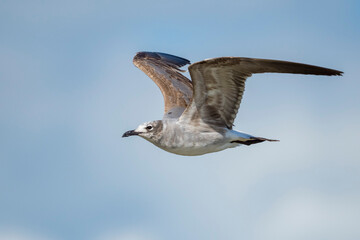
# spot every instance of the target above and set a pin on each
(20, 234)
(125, 235)
(304, 214)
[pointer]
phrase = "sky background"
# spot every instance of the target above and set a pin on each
(69, 90)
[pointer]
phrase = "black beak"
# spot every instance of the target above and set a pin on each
(130, 133)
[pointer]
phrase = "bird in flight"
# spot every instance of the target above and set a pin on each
(199, 113)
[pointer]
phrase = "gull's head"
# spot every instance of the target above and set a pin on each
(151, 131)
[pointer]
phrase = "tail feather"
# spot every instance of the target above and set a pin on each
(254, 140)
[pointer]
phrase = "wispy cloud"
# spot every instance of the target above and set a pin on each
(20, 234)
(303, 214)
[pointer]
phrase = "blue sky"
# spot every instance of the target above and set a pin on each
(68, 91)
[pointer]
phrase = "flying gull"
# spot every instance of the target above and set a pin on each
(199, 113)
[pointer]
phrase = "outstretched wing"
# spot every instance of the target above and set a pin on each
(219, 85)
(163, 69)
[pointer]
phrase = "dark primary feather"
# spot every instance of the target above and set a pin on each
(256, 65)
(170, 60)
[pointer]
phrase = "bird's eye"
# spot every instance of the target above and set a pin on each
(149, 127)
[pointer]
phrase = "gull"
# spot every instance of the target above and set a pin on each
(199, 113)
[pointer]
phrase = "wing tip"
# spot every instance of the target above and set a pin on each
(330, 72)
(168, 59)
(338, 73)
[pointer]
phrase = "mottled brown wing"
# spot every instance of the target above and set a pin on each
(164, 70)
(219, 85)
